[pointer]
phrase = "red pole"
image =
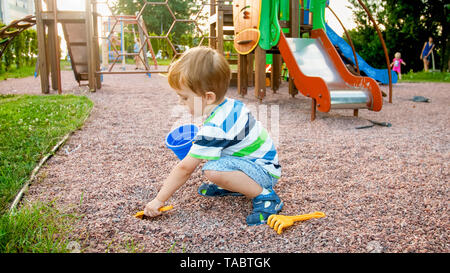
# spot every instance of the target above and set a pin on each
(349, 39)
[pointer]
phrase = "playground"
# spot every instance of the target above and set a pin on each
(355, 142)
(382, 189)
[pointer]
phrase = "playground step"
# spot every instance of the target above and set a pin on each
(84, 76)
(228, 32)
(77, 44)
(75, 35)
(228, 19)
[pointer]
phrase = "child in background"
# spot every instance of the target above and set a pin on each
(240, 156)
(136, 49)
(397, 64)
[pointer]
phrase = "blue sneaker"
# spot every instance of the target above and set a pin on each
(212, 190)
(263, 207)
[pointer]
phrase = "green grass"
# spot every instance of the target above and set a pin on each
(14, 72)
(172, 248)
(37, 228)
(29, 128)
(426, 77)
(65, 65)
(126, 245)
(28, 71)
(150, 61)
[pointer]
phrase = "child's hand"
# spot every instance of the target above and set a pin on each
(152, 208)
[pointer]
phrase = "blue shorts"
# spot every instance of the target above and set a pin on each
(251, 169)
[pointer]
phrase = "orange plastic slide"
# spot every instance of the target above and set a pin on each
(319, 73)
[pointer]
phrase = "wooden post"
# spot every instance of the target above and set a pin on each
(105, 49)
(250, 69)
(242, 81)
(96, 47)
(212, 25)
(219, 27)
(292, 90)
(260, 73)
(56, 53)
(276, 72)
(293, 14)
(51, 50)
(313, 109)
(302, 12)
(90, 46)
(42, 57)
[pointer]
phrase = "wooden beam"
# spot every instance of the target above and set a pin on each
(219, 27)
(64, 16)
(260, 73)
(90, 47)
(96, 45)
(293, 18)
(292, 89)
(42, 57)
(313, 109)
(213, 24)
(250, 69)
(275, 76)
(242, 81)
(51, 48)
(57, 48)
(130, 72)
(78, 43)
(293, 14)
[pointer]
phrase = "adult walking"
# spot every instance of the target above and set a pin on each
(425, 55)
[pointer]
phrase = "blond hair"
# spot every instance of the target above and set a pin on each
(201, 69)
(398, 55)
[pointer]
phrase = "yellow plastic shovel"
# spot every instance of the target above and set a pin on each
(140, 214)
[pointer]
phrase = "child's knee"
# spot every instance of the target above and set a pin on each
(213, 176)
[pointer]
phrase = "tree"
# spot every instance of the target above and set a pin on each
(406, 25)
(21, 51)
(158, 18)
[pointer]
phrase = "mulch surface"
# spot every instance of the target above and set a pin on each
(382, 189)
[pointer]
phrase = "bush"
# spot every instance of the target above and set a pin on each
(21, 52)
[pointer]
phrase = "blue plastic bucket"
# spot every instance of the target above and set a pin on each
(180, 140)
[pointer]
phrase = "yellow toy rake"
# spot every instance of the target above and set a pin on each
(279, 222)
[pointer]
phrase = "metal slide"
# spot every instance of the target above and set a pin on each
(319, 73)
(380, 75)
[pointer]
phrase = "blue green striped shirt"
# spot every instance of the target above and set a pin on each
(232, 130)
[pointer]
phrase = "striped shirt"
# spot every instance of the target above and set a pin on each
(232, 130)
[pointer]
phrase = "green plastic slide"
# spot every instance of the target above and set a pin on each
(264, 25)
(268, 25)
(317, 7)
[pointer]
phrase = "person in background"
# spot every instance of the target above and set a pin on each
(425, 55)
(397, 64)
(136, 49)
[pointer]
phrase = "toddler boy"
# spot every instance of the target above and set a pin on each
(241, 157)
